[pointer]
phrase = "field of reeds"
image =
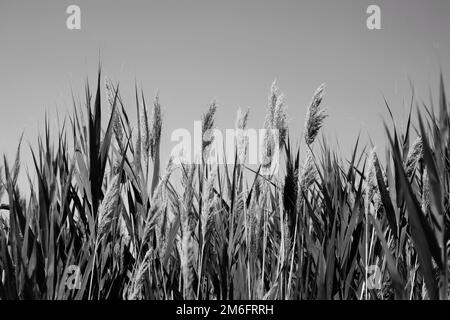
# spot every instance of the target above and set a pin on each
(104, 219)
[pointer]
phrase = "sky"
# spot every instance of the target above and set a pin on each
(194, 51)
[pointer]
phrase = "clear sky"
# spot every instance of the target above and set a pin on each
(197, 50)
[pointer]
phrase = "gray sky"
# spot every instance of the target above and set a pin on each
(194, 51)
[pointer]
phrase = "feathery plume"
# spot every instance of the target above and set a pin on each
(372, 191)
(242, 118)
(308, 174)
(414, 156)
(137, 280)
(208, 209)
(187, 225)
(156, 125)
(117, 125)
(155, 137)
(109, 90)
(207, 126)
(123, 230)
(275, 125)
(255, 221)
(159, 204)
(108, 207)
(187, 182)
(137, 151)
(145, 132)
(268, 149)
(351, 196)
(287, 238)
(280, 119)
(276, 117)
(159, 191)
(273, 97)
(306, 178)
(314, 116)
(241, 139)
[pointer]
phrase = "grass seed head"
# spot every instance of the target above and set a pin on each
(108, 207)
(208, 125)
(314, 116)
(426, 195)
(156, 125)
(372, 191)
(137, 280)
(276, 117)
(415, 154)
(241, 139)
(145, 132)
(308, 174)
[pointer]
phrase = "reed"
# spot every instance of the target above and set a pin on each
(203, 231)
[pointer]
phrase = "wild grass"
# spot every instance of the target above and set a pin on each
(326, 227)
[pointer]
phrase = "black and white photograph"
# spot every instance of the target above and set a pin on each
(224, 157)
